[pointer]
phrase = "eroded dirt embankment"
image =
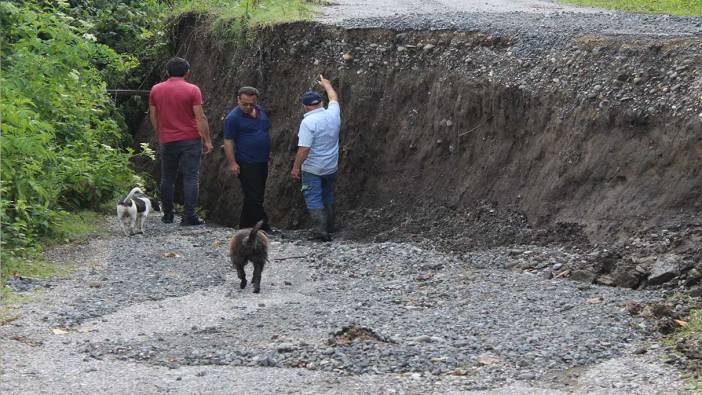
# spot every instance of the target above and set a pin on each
(470, 136)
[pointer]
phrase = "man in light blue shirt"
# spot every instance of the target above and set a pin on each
(317, 157)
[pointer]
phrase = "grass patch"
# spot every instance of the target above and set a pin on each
(72, 227)
(693, 327)
(255, 12)
(78, 226)
(688, 333)
(672, 7)
(31, 267)
(231, 18)
(8, 301)
(695, 324)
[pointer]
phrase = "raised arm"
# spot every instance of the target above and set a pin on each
(203, 128)
(326, 84)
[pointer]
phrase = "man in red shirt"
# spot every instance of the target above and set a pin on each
(177, 116)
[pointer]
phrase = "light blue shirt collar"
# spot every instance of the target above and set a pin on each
(314, 111)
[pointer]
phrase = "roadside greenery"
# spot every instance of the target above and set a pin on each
(65, 142)
(692, 332)
(233, 20)
(252, 12)
(672, 7)
(73, 226)
(62, 145)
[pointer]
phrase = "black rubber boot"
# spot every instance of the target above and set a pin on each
(319, 224)
(331, 225)
(167, 217)
(191, 221)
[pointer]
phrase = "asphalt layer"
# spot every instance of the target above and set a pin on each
(345, 9)
(538, 26)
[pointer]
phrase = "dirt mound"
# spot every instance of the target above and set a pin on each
(356, 333)
(458, 137)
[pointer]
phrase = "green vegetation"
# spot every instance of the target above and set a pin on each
(254, 12)
(65, 142)
(65, 145)
(80, 226)
(71, 227)
(672, 7)
(694, 330)
(29, 266)
(695, 324)
(689, 331)
(693, 327)
(8, 300)
(62, 146)
(232, 19)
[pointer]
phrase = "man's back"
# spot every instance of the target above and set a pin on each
(319, 130)
(174, 99)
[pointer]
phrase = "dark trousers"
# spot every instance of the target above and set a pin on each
(186, 155)
(253, 178)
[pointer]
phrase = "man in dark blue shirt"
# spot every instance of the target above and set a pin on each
(246, 129)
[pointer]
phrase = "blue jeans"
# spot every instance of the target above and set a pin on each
(318, 190)
(185, 154)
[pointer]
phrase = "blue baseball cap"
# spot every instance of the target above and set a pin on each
(311, 98)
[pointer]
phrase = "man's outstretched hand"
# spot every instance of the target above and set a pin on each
(325, 83)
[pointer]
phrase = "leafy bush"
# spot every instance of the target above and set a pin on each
(64, 142)
(61, 136)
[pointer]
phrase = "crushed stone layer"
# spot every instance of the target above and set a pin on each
(163, 313)
(529, 19)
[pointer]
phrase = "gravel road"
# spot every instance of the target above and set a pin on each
(344, 9)
(163, 313)
(537, 25)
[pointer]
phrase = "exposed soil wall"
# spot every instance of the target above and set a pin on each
(442, 126)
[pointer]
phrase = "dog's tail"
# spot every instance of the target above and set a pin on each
(127, 201)
(132, 192)
(254, 231)
(255, 243)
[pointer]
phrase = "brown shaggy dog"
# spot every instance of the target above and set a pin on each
(249, 245)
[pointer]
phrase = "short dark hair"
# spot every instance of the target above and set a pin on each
(177, 67)
(248, 91)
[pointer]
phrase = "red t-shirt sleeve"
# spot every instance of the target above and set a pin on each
(197, 96)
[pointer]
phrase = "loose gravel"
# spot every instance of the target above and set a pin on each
(531, 19)
(537, 33)
(163, 313)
